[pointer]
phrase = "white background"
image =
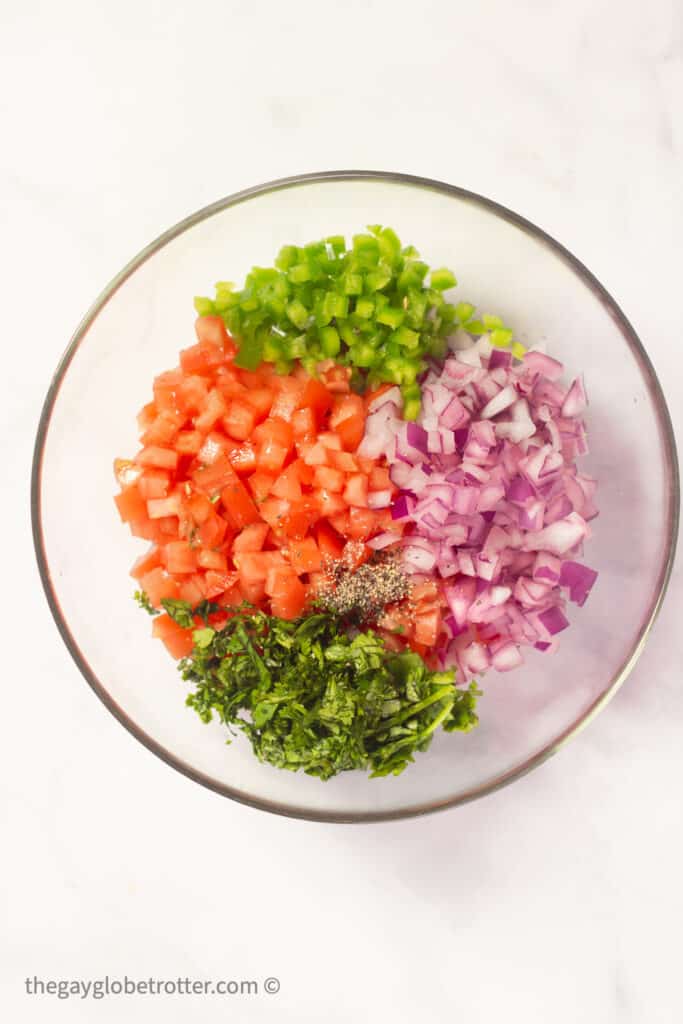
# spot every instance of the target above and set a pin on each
(558, 899)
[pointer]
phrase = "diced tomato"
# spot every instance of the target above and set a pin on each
(212, 479)
(157, 584)
(165, 389)
(160, 458)
(146, 416)
(330, 441)
(146, 530)
(215, 446)
(238, 504)
(131, 505)
(379, 479)
(351, 427)
(274, 438)
(192, 392)
(328, 503)
(341, 523)
(288, 596)
(288, 484)
(179, 642)
(164, 428)
(251, 538)
(328, 478)
(202, 358)
(179, 557)
(218, 582)
(356, 490)
(188, 442)
(209, 559)
(212, 531)
(300, 517)
(330, 543)
(344, 461)
(243, 458)
(273, 512)
(305, 556)
(255, 565)
(192, 590)
(154, 483)
(239, 420)
(229, 384)
(287, 399)
(160, 508)
(211, 329)
(303, 425)
(316, 397)
(260, 484)
(145, 563)
(253, 591)
(260, 400)
(315, 454)
(370, 396)
(214, 409)
(362, 523)
(427, 625)
(199, 508)
(337, 379)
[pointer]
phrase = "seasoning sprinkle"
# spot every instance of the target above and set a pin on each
(366, 591)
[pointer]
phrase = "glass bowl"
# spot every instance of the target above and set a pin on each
(505, 265)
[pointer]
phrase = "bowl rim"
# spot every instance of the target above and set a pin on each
(631, 338)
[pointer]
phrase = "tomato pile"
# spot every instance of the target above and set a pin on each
(247, 482)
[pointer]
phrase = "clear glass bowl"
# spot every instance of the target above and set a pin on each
(506, 266)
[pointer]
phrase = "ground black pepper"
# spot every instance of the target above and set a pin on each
(366, 591)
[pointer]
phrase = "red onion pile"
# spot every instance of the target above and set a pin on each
(494, 505)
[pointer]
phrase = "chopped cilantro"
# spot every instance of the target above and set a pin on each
(315, 698)
(143, 600)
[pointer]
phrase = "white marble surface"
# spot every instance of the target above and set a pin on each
(558, 899)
